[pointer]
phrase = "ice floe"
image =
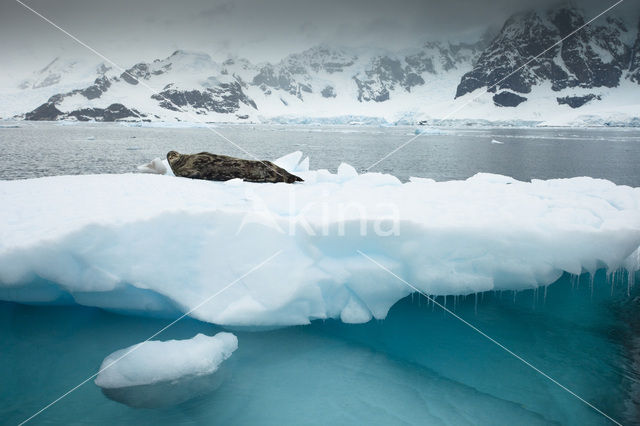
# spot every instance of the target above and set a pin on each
(157, 245)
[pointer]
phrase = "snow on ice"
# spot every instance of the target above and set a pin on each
(162, 373)
(156, 361)
(158, 245)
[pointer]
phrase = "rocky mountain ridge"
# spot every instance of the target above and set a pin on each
(588, 68)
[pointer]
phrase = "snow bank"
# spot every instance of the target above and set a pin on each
(156, 361)
(156, 244)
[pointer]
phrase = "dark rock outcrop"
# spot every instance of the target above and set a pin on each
(507, 99)
(135, 73)
(224, 98)
(328, 92)
(99, 86)
(45, 112)
(113, 112)
(577, 101)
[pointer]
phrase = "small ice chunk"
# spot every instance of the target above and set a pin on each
(303, 166)
(347, 171)
(290, 161)
(414, 179)
(156, 166)
(156, 361)
(492, 178)
(497, 142)
(169, 172)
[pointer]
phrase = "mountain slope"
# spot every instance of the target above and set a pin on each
(593, 77)
(594, 57)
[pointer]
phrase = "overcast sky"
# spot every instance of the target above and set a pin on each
(129, 31)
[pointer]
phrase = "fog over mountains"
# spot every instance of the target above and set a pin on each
(592, 78)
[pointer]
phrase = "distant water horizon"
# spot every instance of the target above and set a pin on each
(49, 149)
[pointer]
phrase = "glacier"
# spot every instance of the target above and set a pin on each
(281, 255)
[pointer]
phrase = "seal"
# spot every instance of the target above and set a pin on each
(207, 166)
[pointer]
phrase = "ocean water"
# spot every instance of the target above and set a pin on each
(45, 149)
(418, 366)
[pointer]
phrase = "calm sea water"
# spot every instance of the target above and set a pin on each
(43, 149)
(418, 366)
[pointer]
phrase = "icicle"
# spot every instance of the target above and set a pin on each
(572, 280)
(475, 305)
(612, 277)
(545, 295)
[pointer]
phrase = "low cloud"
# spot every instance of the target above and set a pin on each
(261, 30)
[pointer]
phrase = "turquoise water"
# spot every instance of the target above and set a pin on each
(419, 366)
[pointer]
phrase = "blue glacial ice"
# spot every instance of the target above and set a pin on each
(158, 245)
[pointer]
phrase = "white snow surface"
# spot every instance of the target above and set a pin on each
(154, 244)
(157, 361)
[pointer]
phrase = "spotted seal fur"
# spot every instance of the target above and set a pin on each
(205, 165)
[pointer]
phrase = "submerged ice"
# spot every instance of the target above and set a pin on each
(156, 244)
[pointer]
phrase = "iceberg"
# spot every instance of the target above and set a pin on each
(279, 255)
(430, 131)
(162, 373)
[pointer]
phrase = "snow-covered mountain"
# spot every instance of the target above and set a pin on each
(598, 56)
(593, 77)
